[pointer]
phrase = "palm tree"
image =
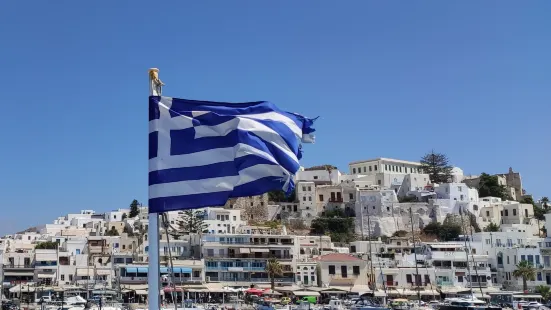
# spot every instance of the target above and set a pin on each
(544, 291)
(526, 271)
(273, 268)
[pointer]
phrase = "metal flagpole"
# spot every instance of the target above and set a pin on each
(154, 277)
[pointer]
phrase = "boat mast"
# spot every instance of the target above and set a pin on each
(466, 252)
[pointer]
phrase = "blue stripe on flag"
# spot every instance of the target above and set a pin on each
(229, 168)
(229, 140)
(173, 203)
(154, 108)
(153, 144)
(181, 106)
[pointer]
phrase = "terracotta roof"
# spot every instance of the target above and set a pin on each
(338, 257)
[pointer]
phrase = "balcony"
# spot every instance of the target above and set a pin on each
(391, 283)
(336, 200)
(444, 283)
(479, 284)
(142, 280)
(248, 256)
(19, 266)
(218, 268)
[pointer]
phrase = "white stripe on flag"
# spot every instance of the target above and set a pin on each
(213, 185)
(207, 157)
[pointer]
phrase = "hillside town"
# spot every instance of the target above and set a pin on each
(385, 228)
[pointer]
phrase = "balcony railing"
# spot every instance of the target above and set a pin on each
(444, 283)
(247, 256)
(177, 280)
(218, 268)
(391, 283)
(21, 266)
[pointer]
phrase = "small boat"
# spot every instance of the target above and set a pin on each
(466, 304)
(367, 304)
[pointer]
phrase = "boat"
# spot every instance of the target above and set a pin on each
(472, 303)
(367, 304)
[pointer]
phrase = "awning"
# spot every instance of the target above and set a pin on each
(260, 250)
(45, 276)
(176, 270)
(141, 292)
(85, 272)
(244, 250)
(134, 287)
(305, 293)
(131, 269)
(17, 274)
(103, 272)
(334, 292)
(429, 293)
(360, 289)
(104, 292)
(142, 270)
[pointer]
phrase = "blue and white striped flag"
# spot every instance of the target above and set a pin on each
(203, 153)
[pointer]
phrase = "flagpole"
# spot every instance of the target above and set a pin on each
(154, 277)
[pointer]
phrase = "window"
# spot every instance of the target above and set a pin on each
(344, 271)
(379, 182)
(488, 213)
(526, 212)
(309, 188)
(235, 218)
(331, 269)
(321, 197)
(539, 277)
(304, 198)
(309, 198)
(514, 212)
(356, 270)
(62, 277)
(304, 188)
(537, 259)
(353, 250)
(427, 279)
(351, 196)
(70, 277)
(408, 278)
(523, 257)
(506, 212)
(375, 168)
(459, 188)
(315, 177)
(508, 261)
(370, 169)
(354, 170)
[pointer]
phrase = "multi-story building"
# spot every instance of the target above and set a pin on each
(388, 173)
(240, 260)
(511, 180)
(342, 270)
(456, 265)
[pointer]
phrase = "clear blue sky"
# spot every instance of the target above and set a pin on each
(471, 79)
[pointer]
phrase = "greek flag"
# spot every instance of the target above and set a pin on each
(203, 153)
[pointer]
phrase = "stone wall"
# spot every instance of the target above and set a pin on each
(253, 208)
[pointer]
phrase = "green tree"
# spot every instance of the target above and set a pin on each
(447, 232)
(134, 209)
(279, 196)
(492, 227)
(336, 225)
(526, 271)
(539, 213)
(400, 233)
(544, 291)
(408, 199)
(192, 222)
(47, 245)
(437, 166)
(545, 203)
(274, 269)
(112, 232)
(488, 186)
